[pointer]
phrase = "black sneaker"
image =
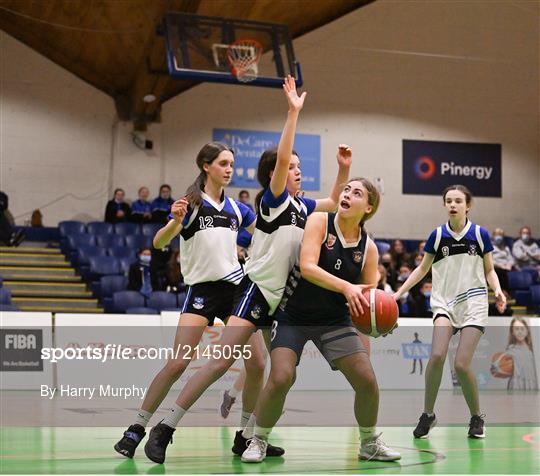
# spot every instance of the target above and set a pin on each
(241, 444)
(131, 439)
(476, 427)
(160, 436)
(425, 424)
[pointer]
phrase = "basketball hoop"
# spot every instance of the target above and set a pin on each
(244, 56)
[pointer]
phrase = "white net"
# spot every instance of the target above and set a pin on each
(244, 57)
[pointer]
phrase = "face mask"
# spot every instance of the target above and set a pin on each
(525, 237)
(427, 294)
(145, 259)
(418, 262)
(403, 276)
(498, 239)
(178, 259)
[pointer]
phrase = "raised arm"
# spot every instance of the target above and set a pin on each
(416, 276)
(278, 181)
(344, 159)
(174, 227)
(314, 234)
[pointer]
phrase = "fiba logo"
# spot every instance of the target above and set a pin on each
(424, 167)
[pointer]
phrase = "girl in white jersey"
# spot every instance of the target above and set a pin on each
(208, 223)
(274, 251)
(459, 254)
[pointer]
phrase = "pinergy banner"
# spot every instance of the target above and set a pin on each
(431, 166)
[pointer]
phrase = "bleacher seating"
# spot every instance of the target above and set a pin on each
(110, 241)
(141, 310)
(126, 229)
(100, 228)
(123, 300)
(161, 300)
(71, 227)
(5, 296)
(139, 241)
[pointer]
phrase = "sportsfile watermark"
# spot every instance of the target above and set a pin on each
(103, 352)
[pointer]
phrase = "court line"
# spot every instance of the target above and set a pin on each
(530, 438)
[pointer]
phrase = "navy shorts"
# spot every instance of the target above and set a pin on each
(334, 341)
(250, 304)
(210, 300)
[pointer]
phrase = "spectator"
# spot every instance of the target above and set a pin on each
(8, 235)
(501, 309)
(404, 273)
(416, 260)
(243, 196)
(398, 253)
(141, 209)
(421, 247)
(405, 303)
(422, 301)
(526, 250)
(141, 276)
(161, 206)
(503, 260)
(383, 284)
(175, 280)
(117, 210)
(391, 273)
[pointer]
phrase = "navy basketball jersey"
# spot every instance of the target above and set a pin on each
(208, 241)
(312, 304)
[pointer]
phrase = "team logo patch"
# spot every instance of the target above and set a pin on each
(357, 256)
(234, 224)
(330, 241)
(198, 302)
(445, 250)
(472, 250)
(256, 312)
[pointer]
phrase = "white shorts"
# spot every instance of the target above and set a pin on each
(472, 312)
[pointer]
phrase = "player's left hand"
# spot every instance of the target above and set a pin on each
(344, 155)
(500, 297)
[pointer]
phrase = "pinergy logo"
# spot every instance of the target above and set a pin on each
(425, 168)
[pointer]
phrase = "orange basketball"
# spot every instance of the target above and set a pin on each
(502, 365)
(381, 316)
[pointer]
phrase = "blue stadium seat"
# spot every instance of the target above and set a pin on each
(5, 296)
(70, 227)
(141, 310)
(125, 264)
(181, 298)
(535, 298)
(382, 247)
(1, 281)
(110, 284)
(81, 256)
(123, 300)
(519, 280)
(122, 252)
(150, 229)
(161, 300)
(8, 307)
(139, 241)
(127, 229)
(80, 240)
(102, 265)
(99, 228)
(534, 274)
(110, 241)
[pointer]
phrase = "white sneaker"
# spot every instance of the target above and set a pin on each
(375, 449)
(256, 451)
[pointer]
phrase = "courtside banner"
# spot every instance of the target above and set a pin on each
(248, 147)
(431, 166)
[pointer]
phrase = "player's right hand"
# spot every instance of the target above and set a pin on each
(295, 102)
(355, 299)
(179, 209)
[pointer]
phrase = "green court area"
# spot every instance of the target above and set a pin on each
(506, 450)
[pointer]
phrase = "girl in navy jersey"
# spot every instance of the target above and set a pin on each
(336, 256)
(459, 254)
(275, 248)
(207, 222)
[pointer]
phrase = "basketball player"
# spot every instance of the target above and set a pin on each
(336, 256)
(460, 256)
(275, 248)
(208, 222)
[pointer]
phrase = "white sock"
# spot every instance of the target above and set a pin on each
(430, 414)
(233, 392)
(174, 417)
(143, 417)
(250, 426)
(244, 418)
(262, 433)
(366, 433)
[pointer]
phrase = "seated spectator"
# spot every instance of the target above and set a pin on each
(422, 301)
(383, 284)
(161, 206)
(391, 273)
(175, 280)
(526, 250)
(421, 247)
(117, 210)
(398, 253)
(142, 277)
(243, 197)
(8, 235)
(503, 260)
(416, 260)
(500, 309)
(141, 209)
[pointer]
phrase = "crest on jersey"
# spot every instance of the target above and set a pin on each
(445, 250)
(256, 311)
(198, 302)
(330, 241)
(234, 224)
(472, 249)
(357, 256)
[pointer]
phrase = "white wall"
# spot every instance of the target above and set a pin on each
(455, 71)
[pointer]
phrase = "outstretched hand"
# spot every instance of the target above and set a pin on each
(344, 155)
(295, 102)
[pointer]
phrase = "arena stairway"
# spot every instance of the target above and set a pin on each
(40, 279)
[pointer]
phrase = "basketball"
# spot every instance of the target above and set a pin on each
(502, 365)
(381, 316)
